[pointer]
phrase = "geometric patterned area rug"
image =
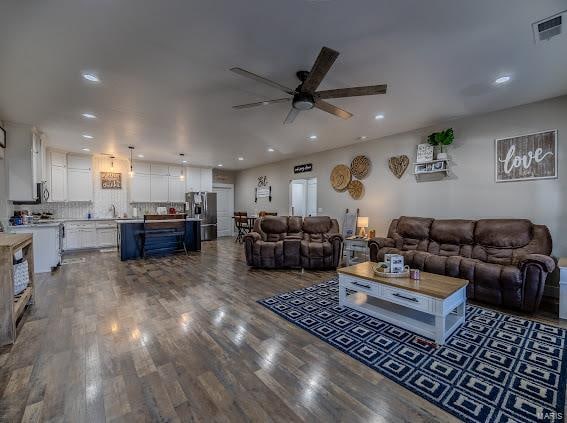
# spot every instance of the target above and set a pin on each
(495, 368)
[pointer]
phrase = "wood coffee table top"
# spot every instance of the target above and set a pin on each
(430, 284)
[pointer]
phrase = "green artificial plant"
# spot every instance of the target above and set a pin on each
(442, 139)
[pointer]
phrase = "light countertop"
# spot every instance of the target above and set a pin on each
(189, 219)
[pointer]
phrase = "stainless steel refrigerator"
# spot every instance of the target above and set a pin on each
(203, 205)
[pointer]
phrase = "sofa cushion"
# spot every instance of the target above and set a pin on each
(453, 231)
(274, 224)
(316, 224)
(316, 249)
(414, 227)
(503, 233)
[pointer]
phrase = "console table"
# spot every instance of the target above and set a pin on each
(11, 306)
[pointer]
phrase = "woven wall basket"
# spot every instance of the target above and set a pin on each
(355, 189)
(340, 177)
(360, 167)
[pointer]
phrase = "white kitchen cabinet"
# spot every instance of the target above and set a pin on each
(176, 189)
(106, 234)
(24, 162)
(47, 254)
(58, 183)
(159, 187)
(175, 171)
(79, 185)
(79, 161)
(140, 188)
(192, 179)
(79, 235)
(206, 180)
(141, 167)
(159, 169)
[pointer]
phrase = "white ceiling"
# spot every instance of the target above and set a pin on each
(165, 85)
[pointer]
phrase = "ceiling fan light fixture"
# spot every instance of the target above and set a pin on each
(303, 101)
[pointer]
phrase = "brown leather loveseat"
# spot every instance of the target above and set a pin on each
(282, 241)
(506, 261)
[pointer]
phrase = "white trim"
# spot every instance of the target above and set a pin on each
(555, 131)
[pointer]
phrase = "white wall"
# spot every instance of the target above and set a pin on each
(471, 193)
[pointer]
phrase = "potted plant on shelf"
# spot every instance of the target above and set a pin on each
(442, 140)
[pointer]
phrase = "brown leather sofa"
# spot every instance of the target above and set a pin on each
(281, 241)
(506, 261)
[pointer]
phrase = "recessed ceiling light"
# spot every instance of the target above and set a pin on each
(313, 137)
(378, 117)
(86, 149)
(89, 116)
(265, 102)
(502, 80)
(219, 165)
(241, 158)
(183, 161)
(91, 77)
(363, 137)
(87, 136)
(271, 150)
(141, 156)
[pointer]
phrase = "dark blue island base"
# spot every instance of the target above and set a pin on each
(131, 239)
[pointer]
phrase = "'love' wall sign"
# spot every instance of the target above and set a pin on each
(532, 156)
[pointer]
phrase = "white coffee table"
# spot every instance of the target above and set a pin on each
(433, 307)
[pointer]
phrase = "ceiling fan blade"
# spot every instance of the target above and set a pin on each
(263, 80)
(291, 115)
(320, 68)
(262, 103)
(352, 92)
(329, 108)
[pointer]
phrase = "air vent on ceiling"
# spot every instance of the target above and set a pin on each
(548, 28)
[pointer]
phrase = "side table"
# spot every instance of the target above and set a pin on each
(563, 288)
(355, 246)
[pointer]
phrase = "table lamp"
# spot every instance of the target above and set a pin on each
(362, 223)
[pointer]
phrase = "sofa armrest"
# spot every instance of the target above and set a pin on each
(382, 242)
(334, 237)
(546, 263)
(252, 237)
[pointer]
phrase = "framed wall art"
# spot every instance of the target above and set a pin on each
(526, 157)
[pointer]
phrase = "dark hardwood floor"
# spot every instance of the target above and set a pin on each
(183, 339)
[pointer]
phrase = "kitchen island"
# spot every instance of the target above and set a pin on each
(130, 237)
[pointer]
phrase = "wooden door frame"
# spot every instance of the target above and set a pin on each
(231, 212)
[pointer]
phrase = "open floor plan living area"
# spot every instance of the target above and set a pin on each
(283, 211)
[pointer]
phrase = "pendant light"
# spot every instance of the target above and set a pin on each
(182, 176)
(131, 173)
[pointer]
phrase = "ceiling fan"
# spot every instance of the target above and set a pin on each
(304, 97)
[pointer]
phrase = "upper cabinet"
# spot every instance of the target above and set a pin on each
(57, 176)
(24, 162)
(159, 169)
(193, 179)
(141, 167)
(79, 178)
(140, 188)
(206, 180)
(159, 188)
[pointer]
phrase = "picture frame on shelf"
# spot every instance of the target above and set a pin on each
(424, 153)
(440, 165)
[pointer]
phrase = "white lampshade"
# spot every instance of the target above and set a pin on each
(362, 222)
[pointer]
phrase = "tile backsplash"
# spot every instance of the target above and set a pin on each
(103, 199)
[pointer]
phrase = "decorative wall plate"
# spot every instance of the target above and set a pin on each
(360, 167)
(355, 189)
(340, 177)
(398, 165)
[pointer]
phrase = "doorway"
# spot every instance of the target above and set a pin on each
(225, 208)
(303, 197)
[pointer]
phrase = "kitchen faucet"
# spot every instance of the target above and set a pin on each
(113, 211)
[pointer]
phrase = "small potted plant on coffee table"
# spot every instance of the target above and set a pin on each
(441, 140)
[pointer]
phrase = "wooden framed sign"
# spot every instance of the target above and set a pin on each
(526, 157)
(110, 180)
